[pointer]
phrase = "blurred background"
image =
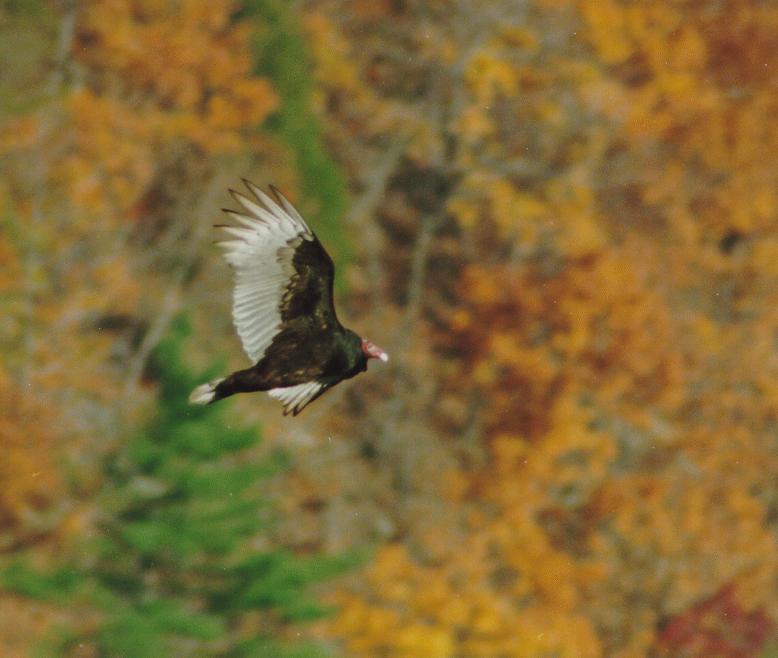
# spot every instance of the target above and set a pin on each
(560, 217)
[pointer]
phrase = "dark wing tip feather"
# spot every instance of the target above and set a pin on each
(237, 195)
(253, 187)
(247, 184)
(277, 194)
(238, 213)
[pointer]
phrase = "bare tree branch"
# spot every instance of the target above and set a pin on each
(363, 210)
(62, 59)
(172, 301)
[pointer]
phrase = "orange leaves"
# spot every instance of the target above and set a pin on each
(331, 52)
(517, 214)
(110, 152)
(29, 480)
(610, 328)
(427, 611)
(154, 91)
(382, 631)
(585, 323)
(336, 66)
(488, 76)
(684, 538)
(607, 23)
(696, 89)
(197, 85)
(475, 124)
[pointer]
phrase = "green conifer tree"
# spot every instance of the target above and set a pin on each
(173, 572)
(281, 54)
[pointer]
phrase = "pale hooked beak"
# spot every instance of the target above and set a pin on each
(372, 351)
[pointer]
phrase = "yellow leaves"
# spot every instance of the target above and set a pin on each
(606, 97)
(616, 323)
(157, 90)
(80, 522)
(416, 640)
(544, 631)
(555, 580)
(247, 104)
(454, 610)
(510, 453)
(690, 50)
(764, 204)
(450, 612)
(392, 564)
(487, 76)
(474, 123)
(111, 151)
(527, 207)
(513, 209)
(381, 630)
(255, 98)
(607, 24)
(19, 134)
(575, 207)
(114, 275)
(198, 85)
(484, 286)
(707, 333)
(335, 65)
(697, 535)
(564, 208)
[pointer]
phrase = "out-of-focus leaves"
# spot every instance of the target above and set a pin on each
(564, 226)
(173, 561)
(603, 335)
(281, 54)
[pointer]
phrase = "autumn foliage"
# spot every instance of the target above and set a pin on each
(562, 226)
(594, 293)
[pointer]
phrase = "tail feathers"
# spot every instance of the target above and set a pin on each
(205, 393)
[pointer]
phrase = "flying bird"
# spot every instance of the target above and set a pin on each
(283, 309)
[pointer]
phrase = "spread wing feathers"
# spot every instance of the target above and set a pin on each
(262, 259)
(294, 398)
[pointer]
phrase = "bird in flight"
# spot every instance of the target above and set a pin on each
(283, 309)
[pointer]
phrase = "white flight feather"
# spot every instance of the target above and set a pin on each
(294, 398)
(260, 281)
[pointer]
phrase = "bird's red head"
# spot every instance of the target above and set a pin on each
(372, 351)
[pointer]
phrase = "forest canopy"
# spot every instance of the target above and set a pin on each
(560, 217)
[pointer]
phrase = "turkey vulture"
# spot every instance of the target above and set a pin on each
(282, 308)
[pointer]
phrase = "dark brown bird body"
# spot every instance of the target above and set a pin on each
(283, 309)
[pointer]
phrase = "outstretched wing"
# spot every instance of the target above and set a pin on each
(283, 276)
